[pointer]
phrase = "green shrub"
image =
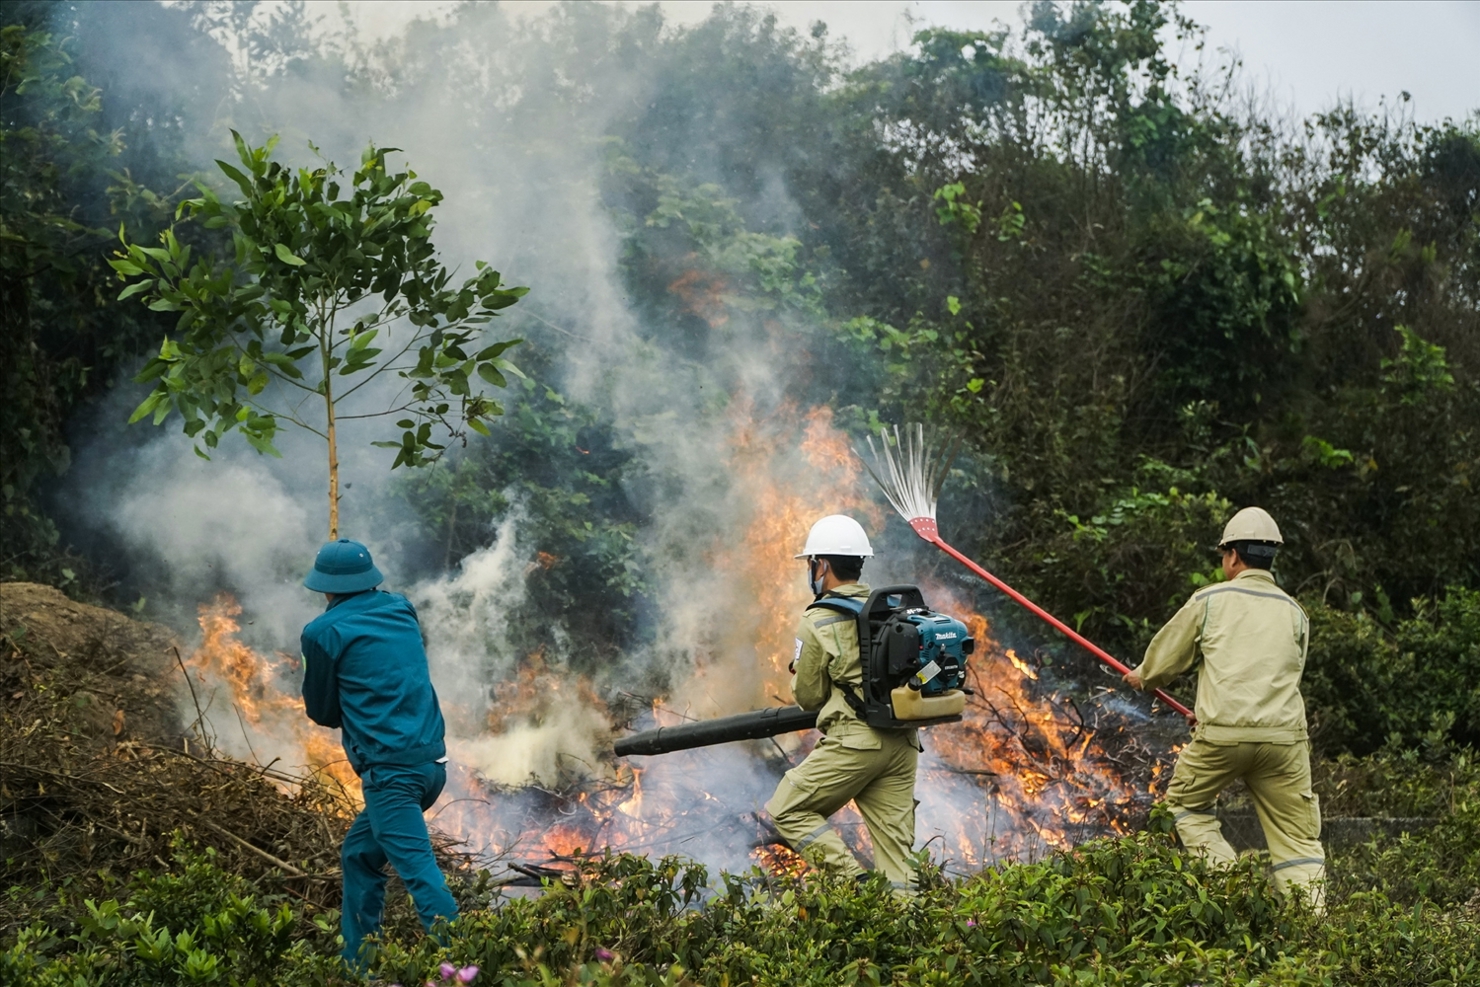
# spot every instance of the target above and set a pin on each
(1118, 911)
(1370, 940)
(1113, 911)
(191, 925)
(1141, 552)
(1123, 911)
(1420, 682)
(1438, 867)
(625, 905)
(1401, 782)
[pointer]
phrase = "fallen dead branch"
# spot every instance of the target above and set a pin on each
(281, 865)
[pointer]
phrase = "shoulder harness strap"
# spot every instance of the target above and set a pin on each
(849, 606)
(854, 700)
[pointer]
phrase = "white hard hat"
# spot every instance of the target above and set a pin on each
(836, 534)
(1251, 524)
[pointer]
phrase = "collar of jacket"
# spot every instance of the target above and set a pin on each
(847, 589)
(1258, 575)
(368, 593)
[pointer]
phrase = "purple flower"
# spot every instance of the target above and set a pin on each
(603, 954)
(447, 971)
(971, 923)
(466, 974)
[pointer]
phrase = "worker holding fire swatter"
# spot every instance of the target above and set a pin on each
(1252, 638)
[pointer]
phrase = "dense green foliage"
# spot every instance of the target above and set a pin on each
(1134, 300)
(194, 924)
(1121, 911)
(63, 190)
(556, 463)
(1367, 687)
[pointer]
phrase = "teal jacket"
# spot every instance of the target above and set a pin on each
(365, 672)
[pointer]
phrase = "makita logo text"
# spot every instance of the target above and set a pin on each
(946, 636)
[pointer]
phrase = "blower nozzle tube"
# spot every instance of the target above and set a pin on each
(726, 729)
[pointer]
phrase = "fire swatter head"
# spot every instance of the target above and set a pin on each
(911, 473)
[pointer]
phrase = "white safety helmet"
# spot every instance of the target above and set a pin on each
(1251, 524)
(836, 534)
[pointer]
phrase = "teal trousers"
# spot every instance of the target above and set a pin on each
(391, 830)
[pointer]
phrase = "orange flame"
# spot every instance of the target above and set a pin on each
(1044, 765)
(780, 515)
(1021, 665)
(703, 294)
(269, 714)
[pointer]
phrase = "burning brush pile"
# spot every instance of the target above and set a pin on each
(1027, 769)
(112, 735)
(533, 782)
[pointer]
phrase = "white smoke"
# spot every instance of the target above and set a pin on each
(561, 744)
(465, 617)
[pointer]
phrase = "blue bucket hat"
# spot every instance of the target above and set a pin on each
(343, 566)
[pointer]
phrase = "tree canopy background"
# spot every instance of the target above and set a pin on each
(1142, 299)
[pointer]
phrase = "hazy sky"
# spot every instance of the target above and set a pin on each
(1304, 54)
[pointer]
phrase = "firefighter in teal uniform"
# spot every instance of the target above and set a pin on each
(365, 673)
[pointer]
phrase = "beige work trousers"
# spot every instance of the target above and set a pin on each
(1278, 778)
(881, 783)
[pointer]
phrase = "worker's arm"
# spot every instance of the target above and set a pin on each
(1173, 649)
(320, 685)
(812, 686)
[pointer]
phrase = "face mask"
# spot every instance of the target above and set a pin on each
(815, 571)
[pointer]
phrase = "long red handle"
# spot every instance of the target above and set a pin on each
(926, 529)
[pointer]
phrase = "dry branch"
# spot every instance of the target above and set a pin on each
(281, 865)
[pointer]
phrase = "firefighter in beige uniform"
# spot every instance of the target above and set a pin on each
(1250, 716)
(875, 769)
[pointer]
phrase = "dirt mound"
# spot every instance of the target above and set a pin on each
(97, 772)
(122, 672)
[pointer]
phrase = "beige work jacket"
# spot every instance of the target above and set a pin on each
(826, 655)
(1253, 638)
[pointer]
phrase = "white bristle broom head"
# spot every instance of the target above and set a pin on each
(909, 471)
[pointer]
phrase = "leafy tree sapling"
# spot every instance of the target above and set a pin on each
(316, 281)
